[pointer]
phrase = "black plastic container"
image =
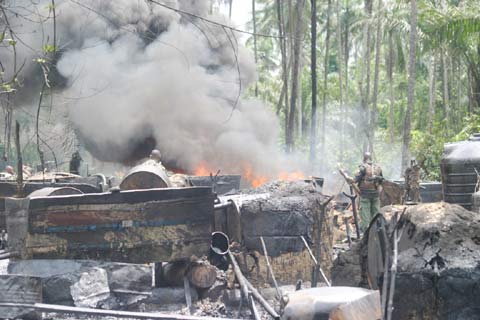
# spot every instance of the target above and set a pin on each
(458, 164)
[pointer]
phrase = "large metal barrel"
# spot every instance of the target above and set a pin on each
(49, 191)
(476, 202)
(146, 176)
(458, 165)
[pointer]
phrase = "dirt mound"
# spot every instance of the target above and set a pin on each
(439, 236)
(438, 263)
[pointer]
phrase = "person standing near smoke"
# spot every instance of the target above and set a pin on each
(155, 159)
(368, 179)
(75, 163)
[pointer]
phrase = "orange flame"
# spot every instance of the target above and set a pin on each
(291, 176)
(202, 170)
(253, 178)
(257, 180)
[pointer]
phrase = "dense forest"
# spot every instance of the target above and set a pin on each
(396, 78)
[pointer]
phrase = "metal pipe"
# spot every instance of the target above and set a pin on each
(255, 313)
(99, 312)
(238, 274)
(262, 300)
(8, 255)
(223, 205)
(309, 250)
(317, 265)
(265, 253)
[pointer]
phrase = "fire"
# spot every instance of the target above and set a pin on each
(291, 176)
(253, 179)
(202, 170)
(257, 180)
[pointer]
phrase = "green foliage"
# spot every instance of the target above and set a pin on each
(49, 48)
(452, 29)
(427, 147)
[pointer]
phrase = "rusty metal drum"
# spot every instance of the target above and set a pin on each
(49, 191)
(146, 176)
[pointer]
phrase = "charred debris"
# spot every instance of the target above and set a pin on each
(157, 245)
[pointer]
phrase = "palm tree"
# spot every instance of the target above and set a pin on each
(378, 44)
(325, 86)
(297, 41)
(411, 84)
(313, 70)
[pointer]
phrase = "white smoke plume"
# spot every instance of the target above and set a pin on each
(140, 76)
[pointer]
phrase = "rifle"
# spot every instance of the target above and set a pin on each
(349, 181)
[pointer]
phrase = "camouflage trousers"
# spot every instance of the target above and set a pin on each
(368, 209)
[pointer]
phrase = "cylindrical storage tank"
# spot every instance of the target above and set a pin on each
(48, 191)
(458, 165)
(146, 176)
(476, 202)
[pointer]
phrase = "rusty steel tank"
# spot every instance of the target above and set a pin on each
(50, 191)
(459, 164)
(148, 175)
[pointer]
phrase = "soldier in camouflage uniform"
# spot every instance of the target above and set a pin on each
(368, 179)
(412, 182)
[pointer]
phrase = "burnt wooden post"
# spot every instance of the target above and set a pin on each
(318, 225)
(16, 212)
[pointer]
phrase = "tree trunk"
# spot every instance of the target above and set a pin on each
(475, 73)
(446, 102)
(313, 71)
(300, 100)
(431, 91)
(230, 9)
(346, 50)
(366, 95)
(289, 48)
(283, 51)
(297, 42)
(391, 111)
(411, 85)
(254, 20)
(340, 80)
(325, 88)
(373, 111)
(459, 92)
(470, 93)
